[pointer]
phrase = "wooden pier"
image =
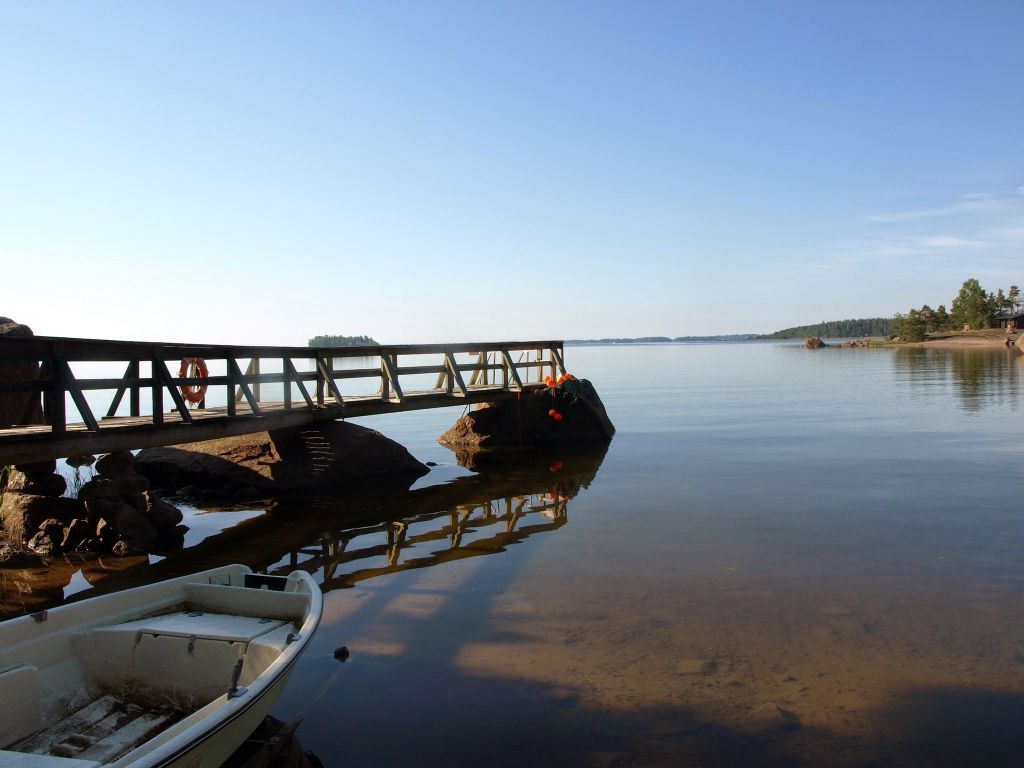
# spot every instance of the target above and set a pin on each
(145, 406)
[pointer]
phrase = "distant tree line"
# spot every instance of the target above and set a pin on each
(837, 329)
(343, 341)
(973, 308)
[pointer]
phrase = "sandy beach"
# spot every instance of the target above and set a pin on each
(987, 341)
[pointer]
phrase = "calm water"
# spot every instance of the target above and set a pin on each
(786, 557)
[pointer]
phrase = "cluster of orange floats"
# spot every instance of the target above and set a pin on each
(552, 383)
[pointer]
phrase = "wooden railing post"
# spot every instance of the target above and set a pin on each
(157, 387)
(286, 382)
(320, 368)
(385, 380)
(53, 401)
(134, 407)
(389, 377)
(232, 365)
(163, 375)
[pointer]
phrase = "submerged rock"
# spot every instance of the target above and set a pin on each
(326, 456)
(814, 343)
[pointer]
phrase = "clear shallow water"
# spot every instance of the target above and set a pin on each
(786, 557)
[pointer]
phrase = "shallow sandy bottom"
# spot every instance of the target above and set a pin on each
(740, 672)
(702, 662)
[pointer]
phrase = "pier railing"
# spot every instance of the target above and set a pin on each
(306, 383)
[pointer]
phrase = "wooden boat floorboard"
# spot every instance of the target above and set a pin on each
(102, 730)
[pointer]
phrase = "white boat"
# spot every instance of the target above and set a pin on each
(177, 673)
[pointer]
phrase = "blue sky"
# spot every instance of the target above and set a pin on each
(263, 172)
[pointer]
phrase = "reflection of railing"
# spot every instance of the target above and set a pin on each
(306, 378)
(472, 515)
(453, 529)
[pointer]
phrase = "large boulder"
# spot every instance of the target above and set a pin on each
(18, 407)
(814, 343)
(109, 488)
(22, 514)
(162, 515)
(48, 537)
(325, 456)
(116, 464)
(77, 462)
(42, 485)
(572, 412)
(138, 532)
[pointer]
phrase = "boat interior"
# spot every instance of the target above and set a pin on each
(89, 692)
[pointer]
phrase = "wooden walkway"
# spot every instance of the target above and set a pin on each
(304, 381)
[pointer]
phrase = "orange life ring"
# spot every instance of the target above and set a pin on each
(193, 368)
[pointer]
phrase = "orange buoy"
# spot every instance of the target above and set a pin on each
(193, 368)
(557, 417)
(552, 413)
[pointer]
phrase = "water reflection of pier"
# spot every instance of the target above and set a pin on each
(508, 520)
(346, 540)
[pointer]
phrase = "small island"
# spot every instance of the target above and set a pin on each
(343, 341)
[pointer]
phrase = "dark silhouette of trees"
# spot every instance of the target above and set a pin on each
(343, 341)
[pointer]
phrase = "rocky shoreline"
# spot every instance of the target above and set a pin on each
(114, 513)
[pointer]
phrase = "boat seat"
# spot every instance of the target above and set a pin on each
(201, 647)
(203, 625)
(20, 710)
(250, 602)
